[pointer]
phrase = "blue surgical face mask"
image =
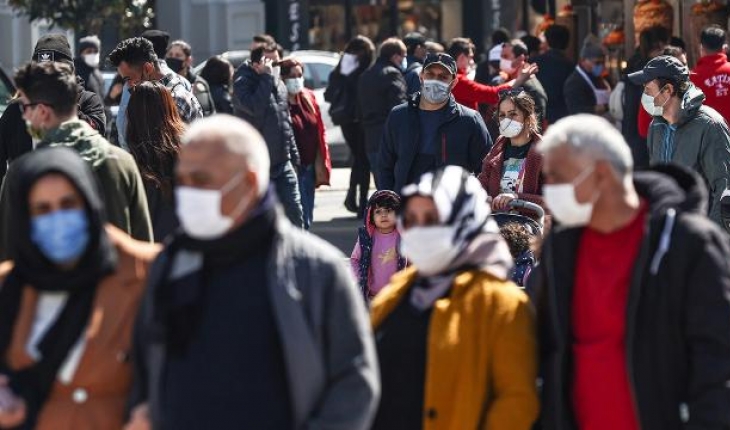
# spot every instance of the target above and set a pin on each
(62, 236)
(597, 70)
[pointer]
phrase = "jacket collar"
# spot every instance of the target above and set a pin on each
(712, 60)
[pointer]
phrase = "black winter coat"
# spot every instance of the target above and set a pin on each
(579, 96)
(678, 313)
(380, 89)
(555, 68)
(342, 95)
(15, 140)
(264, 102)
(463, 141)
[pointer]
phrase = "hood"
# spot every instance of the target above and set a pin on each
(30, 263)
(369, 226)
(672, 186)
(76, 134)
(691, 102)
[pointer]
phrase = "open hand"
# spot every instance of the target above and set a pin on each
(502, 201)
(526, 73)
(140, 419)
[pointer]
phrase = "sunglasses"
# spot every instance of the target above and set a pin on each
(510, 92)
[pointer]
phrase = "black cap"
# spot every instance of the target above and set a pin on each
(414, 39)
(53, 47)
(664, 66)
(160, 39)
(445, 60)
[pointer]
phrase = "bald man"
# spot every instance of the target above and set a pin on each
(253, 323)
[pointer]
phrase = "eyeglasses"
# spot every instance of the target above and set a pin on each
(510, 92)
(27, 106)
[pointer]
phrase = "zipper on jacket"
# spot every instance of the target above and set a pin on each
(558, 364)
(631, 311)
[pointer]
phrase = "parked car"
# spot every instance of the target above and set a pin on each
(7, 90)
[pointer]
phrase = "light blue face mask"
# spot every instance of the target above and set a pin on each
(404, 64)
(597, 70)
(62, 236)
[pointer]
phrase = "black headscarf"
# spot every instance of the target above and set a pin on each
(32, 268)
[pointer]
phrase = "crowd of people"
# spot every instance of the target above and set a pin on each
(545, 248)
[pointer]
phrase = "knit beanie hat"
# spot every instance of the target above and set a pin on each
(53, 47)
(89, 42)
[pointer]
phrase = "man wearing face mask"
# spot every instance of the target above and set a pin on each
(248, 322)
(380, 88)
(136, 61)
(87, 64)
(585, 90)
(261, 98)
(14, 138)
(685, 131)
(633, 292)
(179, 59)
(431, 130)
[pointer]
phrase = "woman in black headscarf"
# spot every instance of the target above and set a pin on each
(67, 302)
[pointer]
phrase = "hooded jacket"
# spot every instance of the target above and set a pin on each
(463, 141)
(678, 313)
(712, 76)
(107, 282)
(121, 184)
(699, 140)
(264, 102)
(361, 258)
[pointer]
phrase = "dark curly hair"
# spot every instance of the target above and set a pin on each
(517, 237)
(135, 51)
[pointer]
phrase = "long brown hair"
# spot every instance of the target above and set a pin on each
(154, 129)
(287, 65)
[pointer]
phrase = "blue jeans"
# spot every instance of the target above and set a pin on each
(286, 185)
(306, 188)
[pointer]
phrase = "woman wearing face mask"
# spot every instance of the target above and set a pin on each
(341, 93)
(68, 301)
(154, 129)
(308, 129)
(455, 339)
(513, 168)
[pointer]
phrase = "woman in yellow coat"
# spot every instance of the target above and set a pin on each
(456, 340)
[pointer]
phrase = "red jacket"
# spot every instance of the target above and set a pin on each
(491, 174)
(712, 76)
(470, 93)
(323, 165)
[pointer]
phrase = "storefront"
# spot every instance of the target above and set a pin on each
(329, 24)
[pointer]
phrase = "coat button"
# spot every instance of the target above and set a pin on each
(80, 395)
(431, 414)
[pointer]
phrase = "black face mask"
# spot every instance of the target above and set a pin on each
(175, 64)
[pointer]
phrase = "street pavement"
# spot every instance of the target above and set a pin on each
(332, 221)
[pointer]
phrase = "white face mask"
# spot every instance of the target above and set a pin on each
(294, 85)
(276, 72)
(92, 60)
(349, 64)
(647, 102)
(510, 128)
(561, 200)
(435, 92)
(431, 249)
(506, 66)
(199, 210)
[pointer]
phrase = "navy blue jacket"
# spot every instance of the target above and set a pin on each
(463, 141)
